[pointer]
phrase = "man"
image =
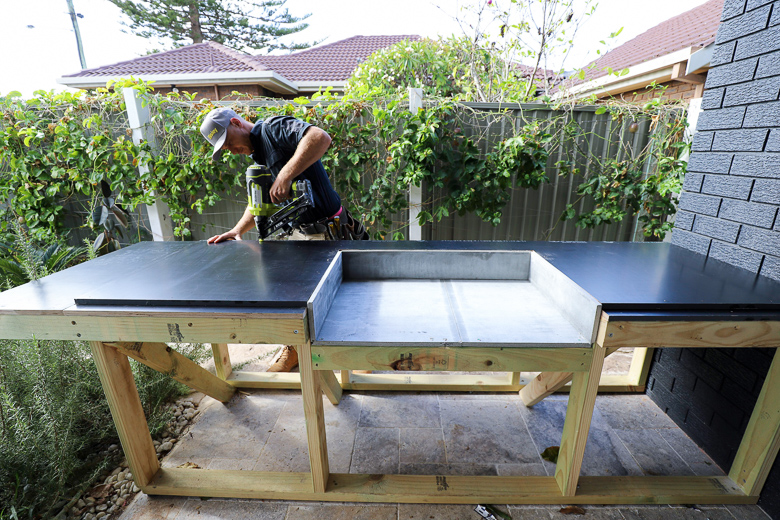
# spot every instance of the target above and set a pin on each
(290, 149)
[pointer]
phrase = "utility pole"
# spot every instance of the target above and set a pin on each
(78, 34)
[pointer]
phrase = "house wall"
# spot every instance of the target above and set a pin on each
(674, 90)
(729, 212)
(222, 92)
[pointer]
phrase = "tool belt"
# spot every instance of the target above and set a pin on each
(342, 226)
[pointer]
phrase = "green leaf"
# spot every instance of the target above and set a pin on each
(551, 454)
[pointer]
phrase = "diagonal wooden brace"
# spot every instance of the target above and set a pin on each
(161, 357)
(546, 384)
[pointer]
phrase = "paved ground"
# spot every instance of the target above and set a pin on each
(425, 433)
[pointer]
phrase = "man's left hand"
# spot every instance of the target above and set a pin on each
(280, 190)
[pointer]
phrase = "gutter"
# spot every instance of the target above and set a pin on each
(266, 78)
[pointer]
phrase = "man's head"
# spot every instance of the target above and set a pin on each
(225, 130)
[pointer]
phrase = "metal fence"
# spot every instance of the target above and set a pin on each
(529, 214)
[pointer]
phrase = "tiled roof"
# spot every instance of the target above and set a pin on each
(694, 28)
(332, 62)
(192, 59)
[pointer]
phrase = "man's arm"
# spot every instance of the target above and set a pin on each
(310, 149)
(246, 223)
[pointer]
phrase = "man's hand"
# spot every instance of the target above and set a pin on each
(280, 190)
(230, 235)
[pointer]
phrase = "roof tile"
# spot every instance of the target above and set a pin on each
(694, 28)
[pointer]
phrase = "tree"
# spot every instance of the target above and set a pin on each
(241, 25)
(445, 67)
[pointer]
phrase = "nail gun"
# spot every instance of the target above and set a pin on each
(270, 217)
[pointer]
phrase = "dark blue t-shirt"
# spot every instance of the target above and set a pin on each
(275, 141)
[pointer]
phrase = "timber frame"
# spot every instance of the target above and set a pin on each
(119, 334)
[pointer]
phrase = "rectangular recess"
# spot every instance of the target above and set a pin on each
(436, 265)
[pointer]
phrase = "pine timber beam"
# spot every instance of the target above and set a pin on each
(449, 359)
(440, 489)
(678, 74)
(116, 377)
(760, 443)
(162, 358)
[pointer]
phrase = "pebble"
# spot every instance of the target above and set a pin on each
(99, 515)
(136, 489)
(116, 471)
(166, 446)
(81, 503)
(101, 507)
(89, 500)
(89, 516)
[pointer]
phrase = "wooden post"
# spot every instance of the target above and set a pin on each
(415, 192)
(315, 419)
(761, 441)
(127, 411)
(579, 413)
(221, 360)
(138, 117)
(161, 357)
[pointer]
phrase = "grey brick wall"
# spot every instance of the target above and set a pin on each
(729, 211)
(731, 194)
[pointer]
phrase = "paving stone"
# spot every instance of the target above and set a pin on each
(448, 469)
(343, 512)
(251, 419)
(630, 412)
(376, 451)
(388, 410)
(690, 452)
(145, 507)
(286, 448)
(747, 512)
(232, 464)
(438, 511)
(220, 509)
(681, 513)
(653, 453)
(605, 454)
(553, 512)
(486, 432)
(422, 445)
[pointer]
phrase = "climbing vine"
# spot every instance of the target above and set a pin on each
(56, 149)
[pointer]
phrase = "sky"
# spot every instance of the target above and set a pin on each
(40, 44)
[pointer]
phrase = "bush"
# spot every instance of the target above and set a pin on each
(54, 419)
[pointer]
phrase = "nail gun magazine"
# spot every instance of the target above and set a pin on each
(270, 217)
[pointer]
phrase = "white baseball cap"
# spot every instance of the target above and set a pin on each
(214, 128)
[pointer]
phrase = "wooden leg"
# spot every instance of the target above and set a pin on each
(345, 376)
(640, 366)
(330, 385)
(163, 358)
(315, 420)
(579, 413)
(221, 360)
(759, 445)
(127, 411)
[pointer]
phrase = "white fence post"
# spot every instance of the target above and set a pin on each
(138, 117)
(415, 192)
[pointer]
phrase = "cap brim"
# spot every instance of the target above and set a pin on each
(217, 154)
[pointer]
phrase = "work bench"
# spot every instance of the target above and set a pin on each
(409, 310)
